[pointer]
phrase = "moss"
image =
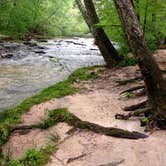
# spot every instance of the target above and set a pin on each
(62, 115)
(128, 94)
(144, 121)
(84, 74)
(9, 118)
(33, 157)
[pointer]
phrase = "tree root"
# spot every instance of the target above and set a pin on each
(115, 132)
(136, 106)
(75, 158)
(133, 89)
(26, 127)
(63, 115)
(126, 81)
(138, 112)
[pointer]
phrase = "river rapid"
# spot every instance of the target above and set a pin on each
(26, 68)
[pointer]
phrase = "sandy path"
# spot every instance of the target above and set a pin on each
(97, 102)
(96, 150)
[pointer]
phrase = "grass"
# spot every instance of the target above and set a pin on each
(63, 115)
(128, 94)
(127, 61)
(58, 115)
(9, 118)
(33, 157)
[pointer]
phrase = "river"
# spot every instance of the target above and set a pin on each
(30, 67)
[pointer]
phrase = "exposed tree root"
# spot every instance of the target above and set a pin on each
(63, 115)
(25, 127)
(133, 89)
(135, 113)
(75, 158)
(136, 106)
(126, 81)
(116, 163)
(115, 132)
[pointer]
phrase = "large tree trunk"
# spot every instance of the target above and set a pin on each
(107, 49)
(156, 85)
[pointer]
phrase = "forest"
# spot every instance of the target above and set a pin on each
(82, 82)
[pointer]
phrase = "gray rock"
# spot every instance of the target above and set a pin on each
(7, 55)
(40, 52)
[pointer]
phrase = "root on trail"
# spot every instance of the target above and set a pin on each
(26, 127)
(133, 89)
(63, 115)
(137, 112)
(126, 81)
(136, 106)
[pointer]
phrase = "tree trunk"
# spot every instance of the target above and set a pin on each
(106, 48)
(156, 85)
(138, 9)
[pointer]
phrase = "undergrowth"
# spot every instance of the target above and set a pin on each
(33, 157)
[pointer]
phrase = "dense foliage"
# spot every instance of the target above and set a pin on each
(151, 14)
(22, 18)
(19, 18)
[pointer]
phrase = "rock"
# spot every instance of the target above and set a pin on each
(51, 56)
(41, 47)
(29, 43)
(10, 46)
(8, 55)
(93, 49)
(42, 40)
(40, 52)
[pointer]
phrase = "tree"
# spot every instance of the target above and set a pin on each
(155, 83)
(90, 16)
(20, 19)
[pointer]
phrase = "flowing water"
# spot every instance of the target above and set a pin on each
(30, 67)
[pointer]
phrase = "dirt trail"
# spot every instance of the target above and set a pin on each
(98, 101)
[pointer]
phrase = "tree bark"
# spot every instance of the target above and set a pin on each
(156, 85)
(106, 48)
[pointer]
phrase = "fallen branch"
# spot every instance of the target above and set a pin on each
(136, 106)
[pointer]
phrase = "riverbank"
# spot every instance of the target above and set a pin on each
(28, 67)
(95, 98)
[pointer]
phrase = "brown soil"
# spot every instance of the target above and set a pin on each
(98, 101)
